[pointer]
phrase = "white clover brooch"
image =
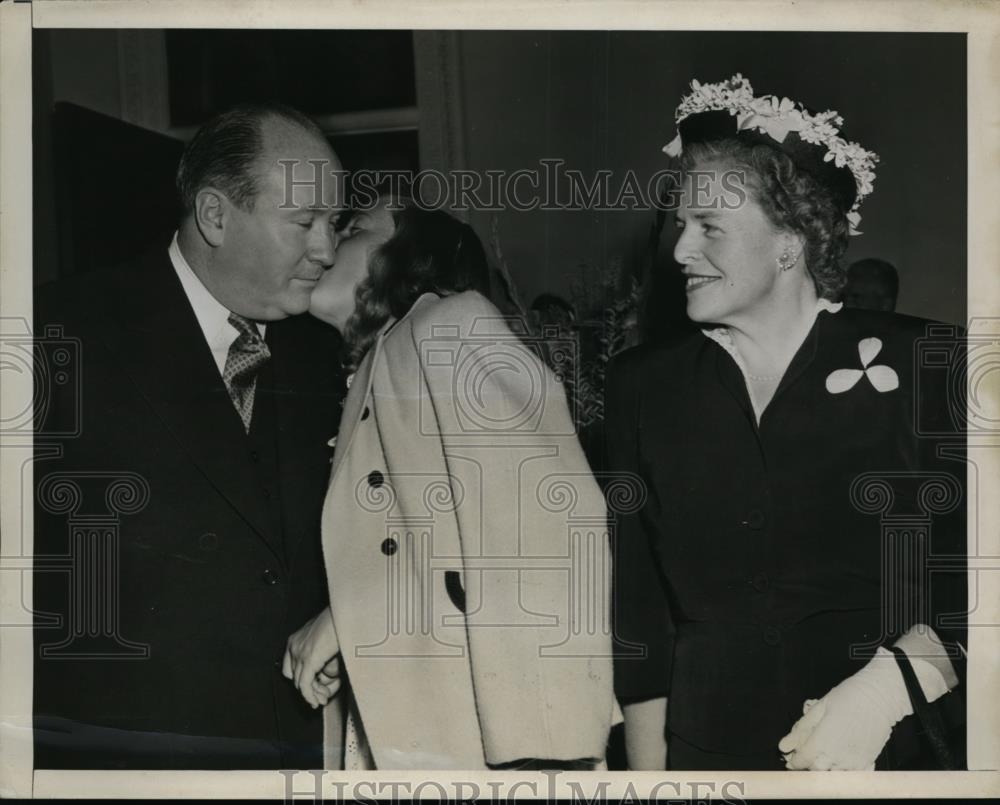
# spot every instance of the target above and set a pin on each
(882, 377)
(776, 117)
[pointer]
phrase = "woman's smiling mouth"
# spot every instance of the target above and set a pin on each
(698, 280)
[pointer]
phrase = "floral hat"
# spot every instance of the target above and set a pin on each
(729, 109)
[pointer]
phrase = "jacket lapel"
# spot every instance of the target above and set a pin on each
(361, 386)
(355, 403)
(801, 360)
(162, 349)
(732, 381)
(307, 392)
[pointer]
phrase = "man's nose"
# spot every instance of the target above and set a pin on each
(323, 247)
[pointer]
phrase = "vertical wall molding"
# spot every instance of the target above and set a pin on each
(143, 83)
(438, 69)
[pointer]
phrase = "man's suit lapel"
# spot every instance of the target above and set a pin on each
(307, 392)
(164, 352)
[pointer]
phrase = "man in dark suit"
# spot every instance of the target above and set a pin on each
(177, 515)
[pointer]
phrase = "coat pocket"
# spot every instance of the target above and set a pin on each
(453, 585)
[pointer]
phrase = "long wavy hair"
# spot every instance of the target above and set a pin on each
(792, 199)
(430, 251)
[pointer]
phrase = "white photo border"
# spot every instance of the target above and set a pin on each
(978, 20)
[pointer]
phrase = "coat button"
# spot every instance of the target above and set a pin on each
(771, 635)
(761, 582)
(375, 479)
(366, 413)
(254, 456)
(389, 546)
(270, 577)
(755, 519)
(265, 493)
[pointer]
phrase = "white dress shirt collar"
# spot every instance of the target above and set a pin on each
(212, 315)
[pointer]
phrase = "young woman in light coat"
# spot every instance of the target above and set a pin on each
(463, 533)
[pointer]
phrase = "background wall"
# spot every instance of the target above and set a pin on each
(113, 108)
(606, 100)
(493, 100)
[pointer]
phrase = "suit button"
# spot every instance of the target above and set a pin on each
(761, 582)
(375, 479)
(254, 456)
(270, 577)
(366, 413)
(755, 519)
(771, 635)
(389, 546)
(265, 493)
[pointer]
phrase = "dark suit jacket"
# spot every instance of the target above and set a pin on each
(174, 554)
(759, 559)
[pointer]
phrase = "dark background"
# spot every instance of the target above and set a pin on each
(112, 110)
(596, 99)
(110, 182)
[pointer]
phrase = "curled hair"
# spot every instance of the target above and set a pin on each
(792, 199)
(430, 251)
(224, 152)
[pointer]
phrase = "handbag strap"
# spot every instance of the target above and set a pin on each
(929, 716)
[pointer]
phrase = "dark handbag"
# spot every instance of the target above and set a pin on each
(941, 724)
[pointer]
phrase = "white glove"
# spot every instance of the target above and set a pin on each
(850, 725)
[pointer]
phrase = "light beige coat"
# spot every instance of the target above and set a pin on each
(457, 473)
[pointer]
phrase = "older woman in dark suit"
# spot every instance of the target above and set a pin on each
(759, 592)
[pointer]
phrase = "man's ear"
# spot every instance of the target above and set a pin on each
(211, 214)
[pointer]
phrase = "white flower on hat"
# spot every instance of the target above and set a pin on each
(776, 117)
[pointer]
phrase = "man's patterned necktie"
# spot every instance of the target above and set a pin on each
(246, 355)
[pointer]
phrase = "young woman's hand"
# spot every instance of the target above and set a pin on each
(311, 660)
(327, 681)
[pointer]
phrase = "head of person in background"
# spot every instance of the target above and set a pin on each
(552, 309)
(259, 190)
(872, 284)
(386, 258)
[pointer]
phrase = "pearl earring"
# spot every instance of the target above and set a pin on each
(786, 261)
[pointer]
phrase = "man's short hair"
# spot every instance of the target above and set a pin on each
(224, 151)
